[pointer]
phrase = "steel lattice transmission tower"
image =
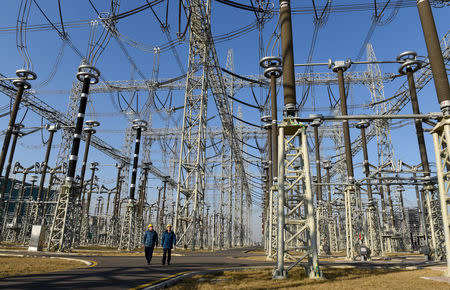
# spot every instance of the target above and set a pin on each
(203, 61)
(191, 170)
(385, 150)
(382, 126)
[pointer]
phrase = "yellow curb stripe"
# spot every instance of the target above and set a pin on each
(159, 281)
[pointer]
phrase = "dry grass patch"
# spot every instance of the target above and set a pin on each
(108, 253)
(18, 266)
(404, 254)
(336, 279)
(12, 246)
(263, 258)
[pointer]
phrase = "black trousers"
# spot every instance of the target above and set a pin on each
(148, 253)
(167, 252)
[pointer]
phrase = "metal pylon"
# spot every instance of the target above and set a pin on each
(385, 149)
(191, 170)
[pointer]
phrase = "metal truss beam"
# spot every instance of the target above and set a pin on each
(245, 81)
(54, 116)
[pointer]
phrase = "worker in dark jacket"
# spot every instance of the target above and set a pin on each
(168, 240)
(150, 241)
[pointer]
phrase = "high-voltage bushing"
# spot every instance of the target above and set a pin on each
(372, 237)
(441, 131)
(87, 205)
(323, 238)
(89, 130)
(435, 55)
(350, 192)
(271, 64)
(269, 224)
(272, 195)
(22, 84)
(37, 210)
(80, 220)
(411, 64)
(162, 205)
(287, 51)
(61, 232)
(4, 211)
(127, 237)
(295, 208)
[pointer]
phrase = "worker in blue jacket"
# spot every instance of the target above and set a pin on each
(167, 242)
(150, 241)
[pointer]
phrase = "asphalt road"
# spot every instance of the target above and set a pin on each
(125, 272)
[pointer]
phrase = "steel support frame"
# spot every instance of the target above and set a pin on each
(441, 139)
(295, 208)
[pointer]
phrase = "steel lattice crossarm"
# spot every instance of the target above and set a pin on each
(239, 82)
(54, 116)
(213, 132)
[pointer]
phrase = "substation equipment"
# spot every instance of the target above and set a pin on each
(303, 213)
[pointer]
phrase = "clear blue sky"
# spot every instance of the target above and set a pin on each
(340, 38)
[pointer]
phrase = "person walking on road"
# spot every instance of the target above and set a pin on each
(168, 240)
(150, 241)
